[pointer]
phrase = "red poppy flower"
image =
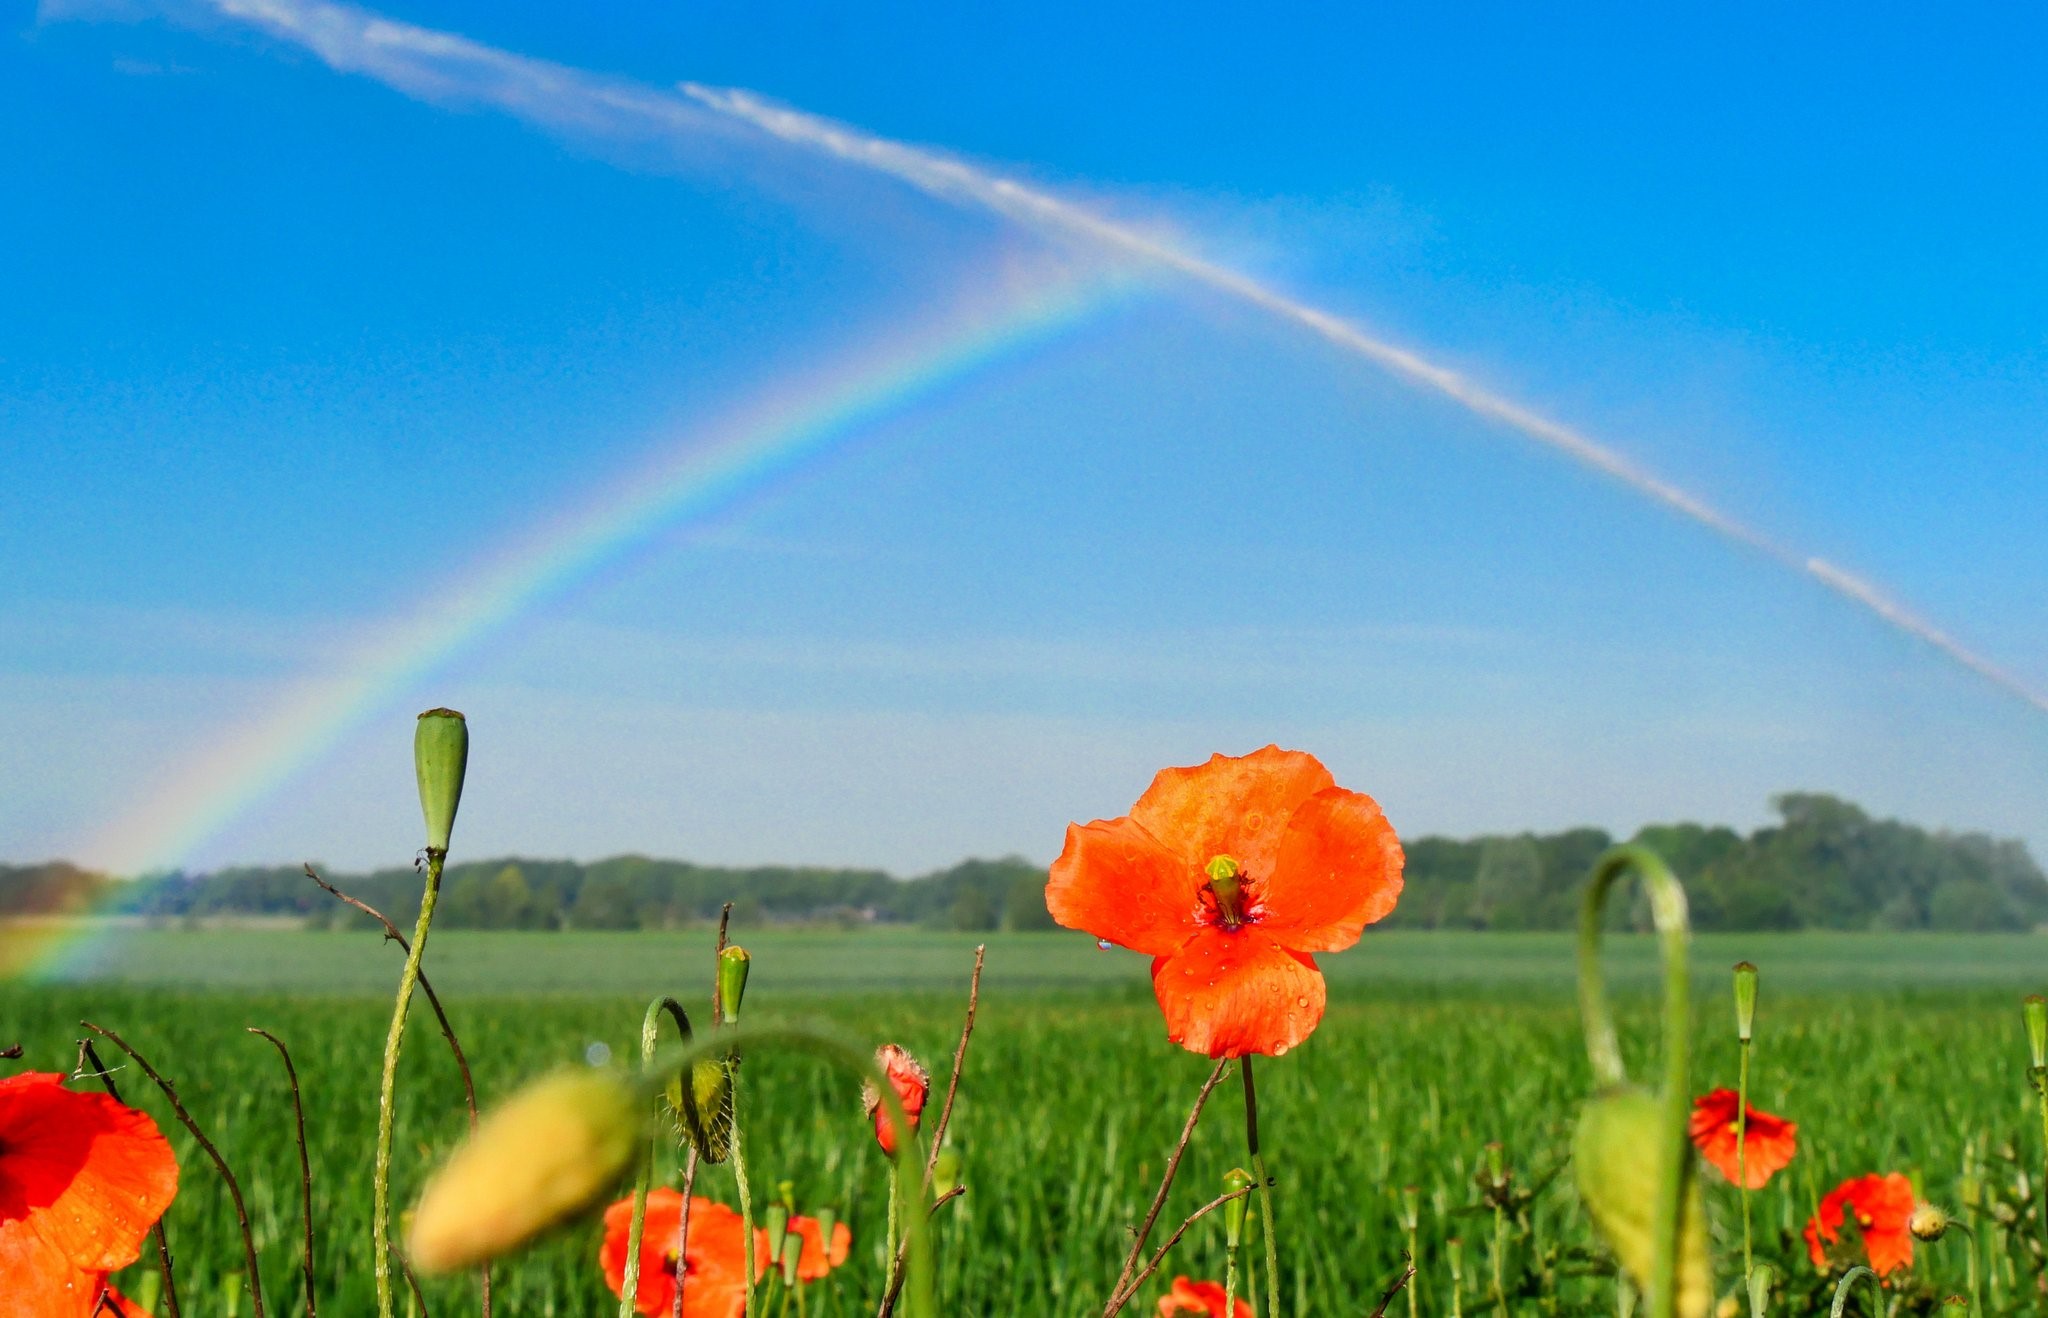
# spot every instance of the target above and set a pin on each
(815, 1261)
(1768, 1142)
(1203, 1297)
(82, 1179)
(1882, 1206)
(1229, 874)
(715, 1261)
(913, 1085)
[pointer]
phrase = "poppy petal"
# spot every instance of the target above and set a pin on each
(1337, 869)
(1226, 994)
(87, 1173)
(1117, 881)
(1233, 805)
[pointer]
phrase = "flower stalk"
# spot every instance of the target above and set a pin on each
(440, 750)
(1745, 1021)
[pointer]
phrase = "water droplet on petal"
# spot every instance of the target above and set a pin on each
(1104, 944)
(1279, 1050)
(1301, 1001)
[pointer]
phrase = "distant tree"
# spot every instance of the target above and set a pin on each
(1024, 908)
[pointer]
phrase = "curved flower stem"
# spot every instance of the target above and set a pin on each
(650, 1039)
(220, 1164)
(1848, 1280)
(305, 1165)
(1265, 1183)
(380, 1176)
(1603, 1049)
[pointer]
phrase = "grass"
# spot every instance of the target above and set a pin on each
(1893, 1053)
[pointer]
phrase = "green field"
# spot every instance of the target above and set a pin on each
(1893, 1053)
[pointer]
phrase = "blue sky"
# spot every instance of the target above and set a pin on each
(291, 353)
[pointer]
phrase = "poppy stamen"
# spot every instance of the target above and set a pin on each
(1227, 888)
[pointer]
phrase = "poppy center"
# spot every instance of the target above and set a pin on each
(1227, 888)
(1863, 1220)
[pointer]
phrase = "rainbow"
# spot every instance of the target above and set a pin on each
(708, 471)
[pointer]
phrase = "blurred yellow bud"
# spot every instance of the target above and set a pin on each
(555, 1148)
(1614, 1159)
(1927, 1222)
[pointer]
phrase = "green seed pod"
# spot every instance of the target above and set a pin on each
(946, 1171)
(551, 1151)
(1411, 1208)
(1237, 1178)
(440, 754)
(778, 1229)
(1760, 1278)
(733, 964)
(1614, 1160)
(792, 1254)
(827, 1219)
(701, 1103)
(2035, 1010)
(1745, 999)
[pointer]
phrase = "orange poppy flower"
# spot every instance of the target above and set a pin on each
(714, 1264)
(814, 1262)
(82, 1179)
(1203, 1297)
(913, 1085)
(1881, 1205)
(1768, 1142)
(1229, 875)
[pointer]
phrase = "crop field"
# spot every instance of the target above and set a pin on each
(1892, 1053)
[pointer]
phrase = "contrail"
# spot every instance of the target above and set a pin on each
(438, 66)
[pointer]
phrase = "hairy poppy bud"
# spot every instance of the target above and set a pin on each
(701, 1100)
(2035, 1010)
(549, 1152)
(912, 1085)
(1615, 1161)
(1927, 1222)
(733, 964)
(1235, 1180)
(440, 754)
(946, 1171)
(1745, 999)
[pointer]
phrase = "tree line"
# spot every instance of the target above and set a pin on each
(1825, 864)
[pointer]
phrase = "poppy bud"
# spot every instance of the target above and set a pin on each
(2035, 1010)
(440, 754)
(792, 1253)
(1760, 1278)
(701, 1101)
(1235, 1180)
(778, 1228)
(1927, 1222)
(946, 1171)
(1745, 999)
(786, 1192)
(912, 1085)
(1615, 1161)
(549, 1152)
(733, 964)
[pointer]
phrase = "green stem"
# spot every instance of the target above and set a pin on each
(1500, 1246)
(739, 1175)
(1742, 1151)
(1603, 1048)
(1251, 1136)
(1414, 1282)
(650, 1039)
(2041, 1093)
(1230, 1282)
(1848, 1280)
(380, 1180)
